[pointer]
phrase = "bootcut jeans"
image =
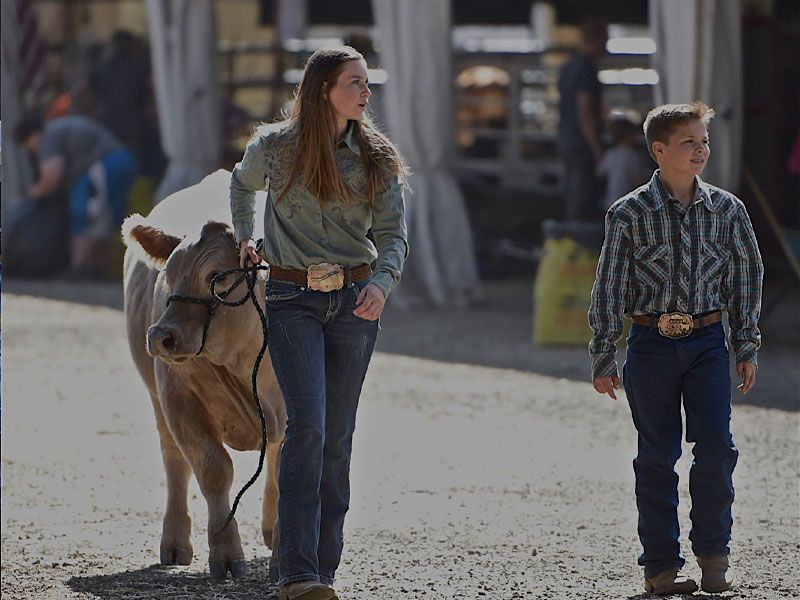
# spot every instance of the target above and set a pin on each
(320, 353)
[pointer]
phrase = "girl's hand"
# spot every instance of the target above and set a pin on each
(370, 303)
(247, 249)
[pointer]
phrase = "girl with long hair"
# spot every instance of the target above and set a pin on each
(331, 177)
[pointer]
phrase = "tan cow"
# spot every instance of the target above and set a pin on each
(202, 402)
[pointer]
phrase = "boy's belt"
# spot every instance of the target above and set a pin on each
(676, 325)
(300, 277)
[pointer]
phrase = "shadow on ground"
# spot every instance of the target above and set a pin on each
(497, 332)
(158, 581)
(727, 596)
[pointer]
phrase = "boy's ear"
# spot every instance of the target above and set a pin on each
(658, 148)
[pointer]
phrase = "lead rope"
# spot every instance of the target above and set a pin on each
(248, 274)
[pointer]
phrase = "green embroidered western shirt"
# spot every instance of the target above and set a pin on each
(300, 230)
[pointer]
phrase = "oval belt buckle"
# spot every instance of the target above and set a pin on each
(675, 325)
(325, 277)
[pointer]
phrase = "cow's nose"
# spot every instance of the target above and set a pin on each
(161, 341)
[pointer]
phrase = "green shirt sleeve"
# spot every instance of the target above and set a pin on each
(249, 176)
(391, 237)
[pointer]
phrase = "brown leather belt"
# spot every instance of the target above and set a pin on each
(675, 325)
(300, 277)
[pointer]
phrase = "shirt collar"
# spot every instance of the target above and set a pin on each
(348, 139)
(659, 195)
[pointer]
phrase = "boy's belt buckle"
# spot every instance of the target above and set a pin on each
(675, 325)
(325, 277)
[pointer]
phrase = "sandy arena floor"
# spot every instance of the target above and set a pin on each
(469, 480)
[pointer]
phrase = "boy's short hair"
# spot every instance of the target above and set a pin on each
(27, 126)
(662, 120)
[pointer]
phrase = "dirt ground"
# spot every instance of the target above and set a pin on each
(483, 466)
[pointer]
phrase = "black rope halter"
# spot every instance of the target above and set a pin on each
(248, 274)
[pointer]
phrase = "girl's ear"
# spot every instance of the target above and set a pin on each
(324, 89)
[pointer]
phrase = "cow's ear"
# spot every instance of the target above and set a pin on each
(212, 228)
(157, 244)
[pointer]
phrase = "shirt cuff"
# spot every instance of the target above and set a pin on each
(747, 352)
(604, 364)
(384, 281)
(243, 231)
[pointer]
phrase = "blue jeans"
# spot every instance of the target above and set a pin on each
(658, 373)
(119, 174)
(320, 352)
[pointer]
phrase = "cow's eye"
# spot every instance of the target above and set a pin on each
(213, 274)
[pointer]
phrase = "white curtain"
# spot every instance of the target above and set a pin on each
(699, 57)
(17, 174)
(415, 48)
(292, 19)
(183, 45)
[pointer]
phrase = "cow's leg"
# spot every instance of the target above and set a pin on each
(269, 509)
(200, 442)
(215, 477)
(213, 469)
(176, 545)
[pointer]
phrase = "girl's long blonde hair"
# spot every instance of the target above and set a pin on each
(314, 119)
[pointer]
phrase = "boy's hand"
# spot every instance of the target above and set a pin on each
(747, 373)
(607, 385)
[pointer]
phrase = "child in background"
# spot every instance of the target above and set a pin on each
(624, 165)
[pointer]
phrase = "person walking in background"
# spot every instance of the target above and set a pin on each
(98, 172)
(580, 124)
(121, 83)
(332, 177)
(624, 165)
(677, 253)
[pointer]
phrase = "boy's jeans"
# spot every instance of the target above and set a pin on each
(320, 352)
(658, 372)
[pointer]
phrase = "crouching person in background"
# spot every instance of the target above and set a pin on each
(97, 171)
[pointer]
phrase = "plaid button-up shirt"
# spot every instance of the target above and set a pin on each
(661, 256)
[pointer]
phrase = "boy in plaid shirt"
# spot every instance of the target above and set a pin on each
(678, 252)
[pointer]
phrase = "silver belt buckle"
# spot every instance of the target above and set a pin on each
(325, 277)
(675, 325)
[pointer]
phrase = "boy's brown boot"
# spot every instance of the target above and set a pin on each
(307, 590)
(716, 574)
(671, 581)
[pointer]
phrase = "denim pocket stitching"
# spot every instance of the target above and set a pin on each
(289, 292)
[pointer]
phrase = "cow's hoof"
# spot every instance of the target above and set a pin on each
(237, 568)
(176, 556)
(219, 570)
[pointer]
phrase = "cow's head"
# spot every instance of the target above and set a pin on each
(186, 266)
